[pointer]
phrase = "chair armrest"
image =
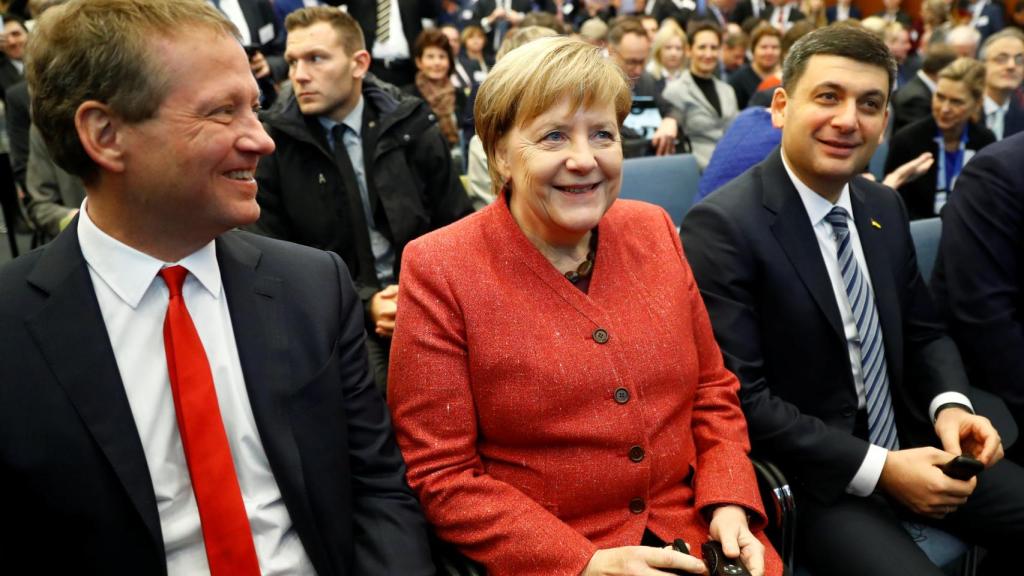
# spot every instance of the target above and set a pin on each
(780, 508)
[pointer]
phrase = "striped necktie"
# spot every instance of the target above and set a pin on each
(881, 419)
(383, 21)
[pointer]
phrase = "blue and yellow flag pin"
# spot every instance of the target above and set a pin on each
(876, 224)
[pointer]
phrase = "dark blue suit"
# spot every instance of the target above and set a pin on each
(79, 497)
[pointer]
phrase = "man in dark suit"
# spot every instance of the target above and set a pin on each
(497, 17)
(391, 42)
(185, 399)
(812, 286)
(842, 11)
(913, 100)
(977, 280)
(1003, 55)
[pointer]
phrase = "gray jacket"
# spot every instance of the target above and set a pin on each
(697, 118)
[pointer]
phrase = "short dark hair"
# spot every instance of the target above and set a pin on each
(937, 57)
(698, 26)
(851, 42)
(350, 35)
(433, 38)
(628, 25)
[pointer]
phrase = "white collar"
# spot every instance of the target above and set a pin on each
(927, 81)
(815, 204)
(991, 106)
(129, 272)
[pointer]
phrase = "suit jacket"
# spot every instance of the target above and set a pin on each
(914, 140)
(991, 19)
(541, 423)
(700, 122)
(18, 121)
(831, 13)
(745, 9)
(758, 264)
(977, 279)
(81, 497)
(9, 76)
(258, 15)
(484, 8)
(1013, 122)
(901, 17)
(911, 103)
(412, 12)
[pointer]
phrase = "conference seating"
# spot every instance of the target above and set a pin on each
(667, 181)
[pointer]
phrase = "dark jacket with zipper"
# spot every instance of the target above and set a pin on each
(309, 194)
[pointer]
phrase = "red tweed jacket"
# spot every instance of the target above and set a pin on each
(540, 423)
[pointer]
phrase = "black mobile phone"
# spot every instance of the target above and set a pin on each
(718, 563)
(962, 468)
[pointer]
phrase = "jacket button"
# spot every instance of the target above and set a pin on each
(637, 506)
(636, 453)
(621, 395)
(431, 117)
(406, 137)
(600, 336)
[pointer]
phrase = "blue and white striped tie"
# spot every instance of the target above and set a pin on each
(881, 420)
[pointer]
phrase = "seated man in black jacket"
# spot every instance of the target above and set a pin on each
(359, 169)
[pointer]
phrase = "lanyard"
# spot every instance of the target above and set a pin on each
(948, 176)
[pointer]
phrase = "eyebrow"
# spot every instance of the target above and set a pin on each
(836, 86)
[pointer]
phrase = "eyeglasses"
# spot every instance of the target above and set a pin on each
(1004, 59)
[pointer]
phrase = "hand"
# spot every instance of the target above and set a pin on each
(912, 477)
(910, 171)
(383, 308)
(258, 65)
(960, 431)
(664, 139)
(515, 18)
(498, 15)
(640, 561)
(729, 526)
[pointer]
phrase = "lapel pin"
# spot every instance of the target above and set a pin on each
(876, 224)
(322, 180)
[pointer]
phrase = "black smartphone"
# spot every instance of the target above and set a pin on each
(962, 468)
(718, 563)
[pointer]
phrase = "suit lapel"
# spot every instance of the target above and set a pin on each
(261, 335)
(869, 222)
(72, 335)
(792, 228)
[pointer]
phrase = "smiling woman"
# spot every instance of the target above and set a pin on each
(556, 388)
(434, 64)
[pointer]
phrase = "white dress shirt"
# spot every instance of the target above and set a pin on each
(397, 46)
(995, 116)
(233, 11)
(133, 302)
(866, 478)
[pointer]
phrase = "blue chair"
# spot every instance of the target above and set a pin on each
(926, 234)
(877, 164)
(667, 181)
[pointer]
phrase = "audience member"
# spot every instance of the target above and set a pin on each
(1003, 54)
(814, 11)
(913, 100)
(746, 9)
(651, 25)
(187, 399)
(12, 64)
(935, 23)
(706, 105)
(842, 11)
(628, 48)
(433, 57)
(897, 38)
(473, 41)
(668, 55)
(263, 38)
(282, 8)
(594, 31)
(378, 162)
(950, 134)
(748, 140)
(54, 196)
(812, 286)
(781, 14)
(892, 11)
(497, 17)
(986, 17)
(977, 279)
(964, 40)
(562, 261)
(734, 53)
(765, 46)
(389, 35)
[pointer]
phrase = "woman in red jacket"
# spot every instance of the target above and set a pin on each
(556, 388)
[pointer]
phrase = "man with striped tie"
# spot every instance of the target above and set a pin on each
(391, 28)
(848, 381)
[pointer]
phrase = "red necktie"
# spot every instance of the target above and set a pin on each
(226, 533)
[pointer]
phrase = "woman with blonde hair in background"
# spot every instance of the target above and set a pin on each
(668, 53)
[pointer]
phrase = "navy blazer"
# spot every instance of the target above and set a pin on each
(830, 13)
(759, 268)
(80, 498)
(978, 274)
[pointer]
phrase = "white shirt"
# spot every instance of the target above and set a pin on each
(133, 302)
(397, 46)
(233, 11)
(927, 81)
(995, 116)
(866, 478)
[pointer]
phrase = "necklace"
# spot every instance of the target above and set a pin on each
(587, 266)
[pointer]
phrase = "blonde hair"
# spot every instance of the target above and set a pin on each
(534, 78)
(669, 30)
(98, 50)
(970, 73)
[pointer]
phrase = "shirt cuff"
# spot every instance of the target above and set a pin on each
(948, 398)
(866, 478)
(485, 23)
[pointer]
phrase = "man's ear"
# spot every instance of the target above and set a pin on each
(778, 108)
(360, 64)
(98, 131)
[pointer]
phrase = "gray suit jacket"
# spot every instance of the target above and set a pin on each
(698, 119)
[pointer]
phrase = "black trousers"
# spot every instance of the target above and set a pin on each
(865, 536)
